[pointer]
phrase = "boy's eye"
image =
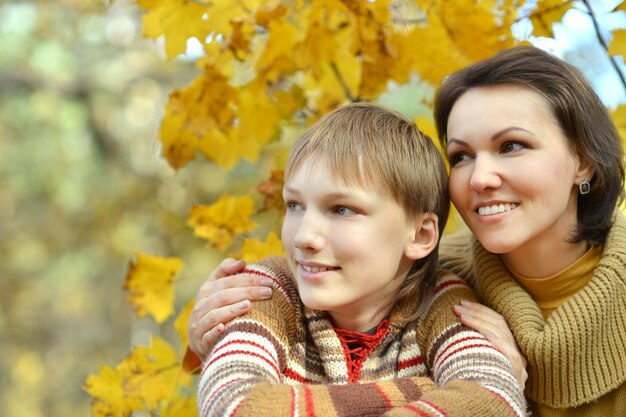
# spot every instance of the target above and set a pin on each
(293, 206)
(344, 211)
(511, 146)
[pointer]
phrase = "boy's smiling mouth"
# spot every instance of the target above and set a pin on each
(317, 267)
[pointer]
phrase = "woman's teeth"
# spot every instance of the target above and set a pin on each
(496, 209)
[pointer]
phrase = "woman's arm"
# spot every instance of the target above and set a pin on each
(220, 299)
(471, 373)
(495, 328)
(245, 374)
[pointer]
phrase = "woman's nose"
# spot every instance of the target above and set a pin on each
(485, 174)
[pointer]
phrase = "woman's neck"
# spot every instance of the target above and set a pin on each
(540, 261)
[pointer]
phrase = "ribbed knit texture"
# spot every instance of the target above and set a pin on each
(272, 362)
(576, 358)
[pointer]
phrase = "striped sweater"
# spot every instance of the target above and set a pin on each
(283, 359)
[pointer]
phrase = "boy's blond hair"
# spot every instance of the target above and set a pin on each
(383, 151)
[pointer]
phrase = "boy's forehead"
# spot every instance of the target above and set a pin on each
(345, 172)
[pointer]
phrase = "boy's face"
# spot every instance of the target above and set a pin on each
(345, 245)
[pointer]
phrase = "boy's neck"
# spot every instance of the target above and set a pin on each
(359, 322)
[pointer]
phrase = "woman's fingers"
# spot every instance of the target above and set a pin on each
(494, 327)
(227, 267)
(221, 298)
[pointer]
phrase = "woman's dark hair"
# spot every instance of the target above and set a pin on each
(576, 107)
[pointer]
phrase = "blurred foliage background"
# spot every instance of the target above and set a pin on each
(83, 188)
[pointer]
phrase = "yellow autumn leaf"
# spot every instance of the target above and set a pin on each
(269, 11)
(145, 378)
(618, 43)
(620, 7)
(479, 29)
(222, 221)
(149, 282)
(254, 250)
(177, 21)
(437, 55)
(546, 14)
(109, 396)
(329, 35)
(222, 12)
(180, 407)
(272, 191)
(619, 118)
(194, 113)
(180, 324)
(258, 120)
(179, 144)
(153, 373)
(280, 46)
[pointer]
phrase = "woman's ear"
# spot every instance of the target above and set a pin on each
(585, 170)
(426, 237)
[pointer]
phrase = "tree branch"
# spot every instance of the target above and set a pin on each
(343, 83)
(596, 26)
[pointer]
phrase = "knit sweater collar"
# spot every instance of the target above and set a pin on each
(577, 355)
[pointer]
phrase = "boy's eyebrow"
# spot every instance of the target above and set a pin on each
(336, 194)
(494, 136)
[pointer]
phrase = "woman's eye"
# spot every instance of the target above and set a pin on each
(457, 157)
(511, 147)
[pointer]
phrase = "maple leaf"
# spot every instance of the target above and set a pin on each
(180, 324)
(618, 43)
(177, 21)
(220, 222)
(150, 283)
(438, 55)
(546, 14)
(153, 373)
(478, 29)
(272, 191)
(269, 11)
(109, 396)
(254, 250)
(180, 407)
(194, 114)
(619, 118)
(140, 382)
(238, 42)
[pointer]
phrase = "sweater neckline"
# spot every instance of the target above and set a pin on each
(575, 356)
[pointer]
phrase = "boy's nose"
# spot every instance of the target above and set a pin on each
(309, 235)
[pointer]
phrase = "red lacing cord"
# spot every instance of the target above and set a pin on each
(357, 346)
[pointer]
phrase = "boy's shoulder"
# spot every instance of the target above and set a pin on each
(276, 269)
(447, 279)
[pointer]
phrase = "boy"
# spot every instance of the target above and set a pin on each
(366, 202)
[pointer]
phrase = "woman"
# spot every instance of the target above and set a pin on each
(536, 173)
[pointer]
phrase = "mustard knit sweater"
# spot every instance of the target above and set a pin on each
(577, 357)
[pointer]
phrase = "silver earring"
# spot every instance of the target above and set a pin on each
(584, 187)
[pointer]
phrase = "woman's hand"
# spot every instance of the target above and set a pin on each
(493, 326)
(220, 299)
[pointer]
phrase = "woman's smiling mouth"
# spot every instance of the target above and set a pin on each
(496, 209)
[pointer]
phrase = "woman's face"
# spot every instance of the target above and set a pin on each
(513, 177)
